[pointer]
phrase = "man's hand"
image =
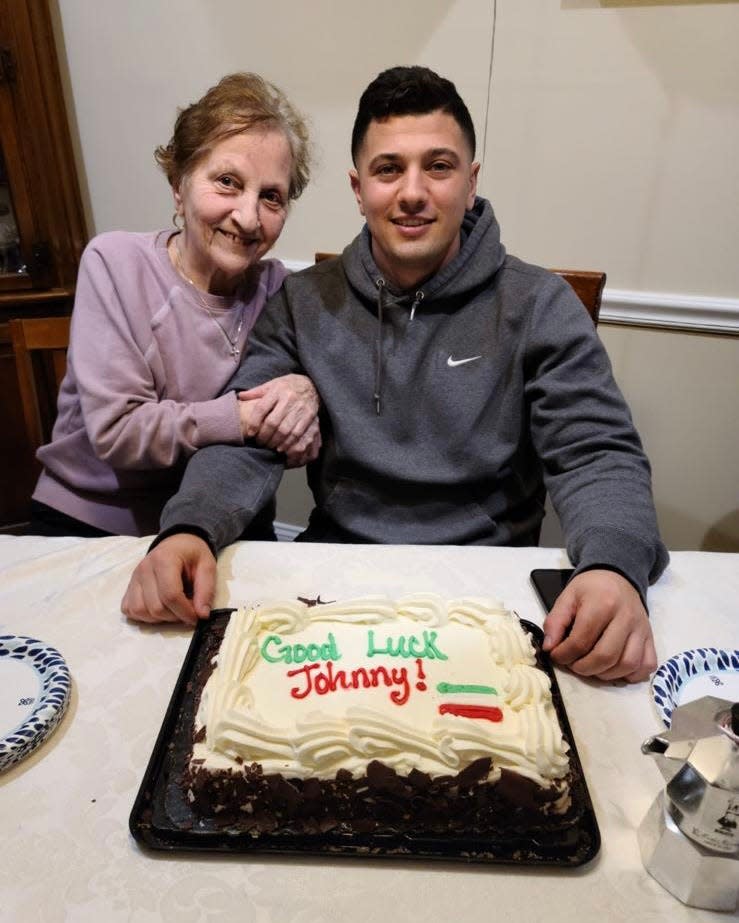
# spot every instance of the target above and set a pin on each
(610, 635)
(174, 583)
(282, 414)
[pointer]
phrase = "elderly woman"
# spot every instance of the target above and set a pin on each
(161, 320)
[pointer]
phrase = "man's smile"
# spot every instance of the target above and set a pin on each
(412, 228)
(411, 222)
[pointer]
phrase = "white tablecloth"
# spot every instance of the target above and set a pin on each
(66, 850)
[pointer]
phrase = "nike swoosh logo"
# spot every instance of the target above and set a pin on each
(453, 363)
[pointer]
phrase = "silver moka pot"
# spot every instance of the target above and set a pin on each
(689, 838)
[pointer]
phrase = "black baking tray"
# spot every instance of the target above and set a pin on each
(158, 825)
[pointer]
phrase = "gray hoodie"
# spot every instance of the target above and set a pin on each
(446, 412)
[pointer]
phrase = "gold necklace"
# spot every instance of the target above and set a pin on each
(231, 339)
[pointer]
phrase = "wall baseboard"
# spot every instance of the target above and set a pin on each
(652, 309)
(286, 531)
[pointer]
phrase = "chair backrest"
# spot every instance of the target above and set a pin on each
(40, 348)
(588, 286)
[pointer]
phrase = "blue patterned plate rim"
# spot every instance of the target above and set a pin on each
(679, 670)
(51, 703)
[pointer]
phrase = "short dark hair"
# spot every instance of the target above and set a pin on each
(409, 91)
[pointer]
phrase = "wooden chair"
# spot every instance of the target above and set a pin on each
(40, 347)
(588, 286)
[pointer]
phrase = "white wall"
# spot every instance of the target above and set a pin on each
(615, 140)
(612, 143)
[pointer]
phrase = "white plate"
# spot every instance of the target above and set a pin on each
(692, 674)
(34, 693)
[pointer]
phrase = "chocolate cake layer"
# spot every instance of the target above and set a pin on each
(380, 802)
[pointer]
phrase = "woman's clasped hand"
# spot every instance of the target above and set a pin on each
(283, 415)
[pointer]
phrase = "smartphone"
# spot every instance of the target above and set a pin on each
(549, 583)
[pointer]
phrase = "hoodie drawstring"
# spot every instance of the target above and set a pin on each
(380, 283)
(378, 345)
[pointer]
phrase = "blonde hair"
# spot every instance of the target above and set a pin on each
(236, 104)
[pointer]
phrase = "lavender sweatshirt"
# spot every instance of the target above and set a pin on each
(145, 370)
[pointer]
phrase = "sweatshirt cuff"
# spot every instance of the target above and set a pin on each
(636, 560)
(218, 527)
(218, 421)
(187, 530)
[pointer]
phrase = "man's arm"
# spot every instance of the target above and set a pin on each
(222, 490)
(600, 482)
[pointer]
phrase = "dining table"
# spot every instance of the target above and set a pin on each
(68, 853)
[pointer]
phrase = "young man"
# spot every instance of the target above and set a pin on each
(457, 384)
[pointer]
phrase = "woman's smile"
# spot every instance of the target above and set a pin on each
(234, 205)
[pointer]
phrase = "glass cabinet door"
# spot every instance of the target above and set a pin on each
(42, 224)
(11, 262)
(18, 224)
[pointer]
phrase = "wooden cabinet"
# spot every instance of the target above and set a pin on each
(42, 226)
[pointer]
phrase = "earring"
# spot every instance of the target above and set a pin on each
(175, 217)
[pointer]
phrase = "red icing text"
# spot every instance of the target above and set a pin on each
(323, 678)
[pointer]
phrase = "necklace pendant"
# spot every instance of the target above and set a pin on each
(235, 352)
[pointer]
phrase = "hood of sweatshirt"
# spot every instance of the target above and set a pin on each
(480, 256)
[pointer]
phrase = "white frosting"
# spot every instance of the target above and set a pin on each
(307, 725)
